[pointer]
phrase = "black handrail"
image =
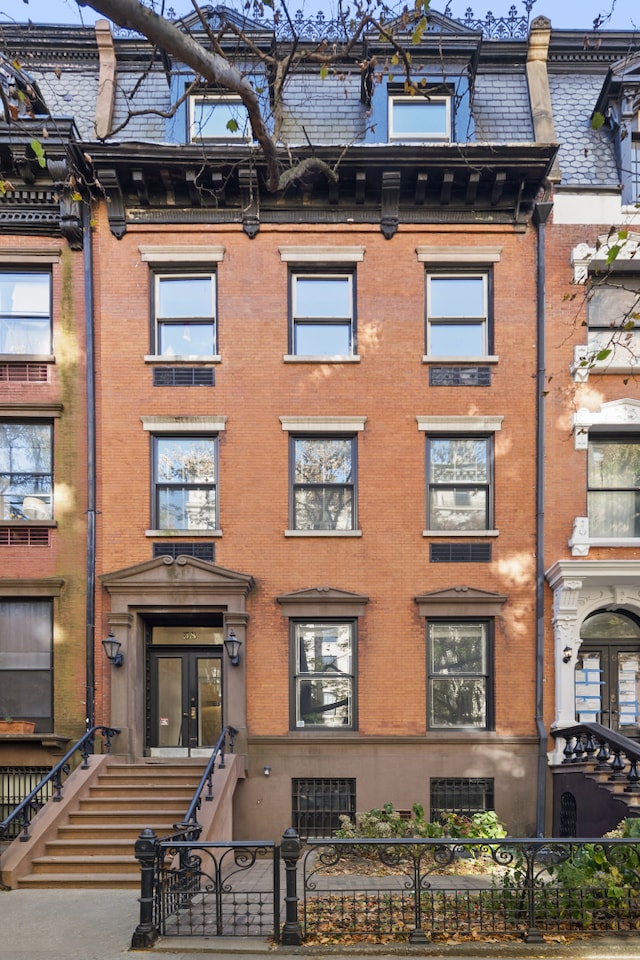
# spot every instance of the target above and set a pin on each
(189, 826)
(593, 743)
(28, 807)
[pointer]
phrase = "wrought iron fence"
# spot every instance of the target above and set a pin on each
(217, 889)
(422, 890)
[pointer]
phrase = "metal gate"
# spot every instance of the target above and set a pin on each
(217, 889)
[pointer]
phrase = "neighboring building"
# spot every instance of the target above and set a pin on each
(319, 415)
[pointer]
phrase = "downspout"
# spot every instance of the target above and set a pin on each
(104, 112)
(544, 132)
(541, 213)
(91, 462)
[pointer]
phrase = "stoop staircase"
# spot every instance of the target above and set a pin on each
(94, 846)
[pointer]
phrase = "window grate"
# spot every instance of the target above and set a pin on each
(201, 551)
(183, 377)
(318, 804)
(24, 373)
(460, 552)
(459, 376)
(568, 815)
(24, 537)
(461, 795)
(16, 783)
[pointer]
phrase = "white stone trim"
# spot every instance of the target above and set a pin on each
(312, 358)
(180, 253)
(197, 358)
(583, 254)
(450, 534)
(30, 255)
(321, 254)
(452, 255)
(184, 424)
(323, 533)
(459, 361)
(442, 424)
(323, 424)
(188, 534)
(580, 587)
(622, 414)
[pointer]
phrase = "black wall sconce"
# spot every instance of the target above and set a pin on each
(566, 654)
(112, 650)
(232, 646)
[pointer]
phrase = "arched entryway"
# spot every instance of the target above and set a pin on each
(607, 671)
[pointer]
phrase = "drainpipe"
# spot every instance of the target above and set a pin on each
(541, 213)
(87, 253)
(544, 132)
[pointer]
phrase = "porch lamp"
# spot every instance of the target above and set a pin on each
(112, 650)
(566, 654)
(232, 646)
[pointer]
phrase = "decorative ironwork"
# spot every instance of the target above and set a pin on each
(511, 27)
(319, 29)
(202, 890)
(419, 889)
(50, 786)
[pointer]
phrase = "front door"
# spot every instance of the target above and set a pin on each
(184, 716)
(608, 673)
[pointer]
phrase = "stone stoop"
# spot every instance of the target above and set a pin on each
(94, 845)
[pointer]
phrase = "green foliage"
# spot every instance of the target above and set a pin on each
(597, 121)
(386, 823)
(613, 870)
(38, 152)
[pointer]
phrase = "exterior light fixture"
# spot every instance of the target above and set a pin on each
(112, 650)
(566, 654)
(232, 646)
(266, 771)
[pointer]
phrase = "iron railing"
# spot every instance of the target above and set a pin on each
(608, 751)
(50, 787)
(427, 890)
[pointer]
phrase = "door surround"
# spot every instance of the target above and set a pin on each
(580, 588)
(175, 586)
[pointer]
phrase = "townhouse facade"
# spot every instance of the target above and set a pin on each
(339, 465)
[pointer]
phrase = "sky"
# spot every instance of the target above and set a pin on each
(564, 14)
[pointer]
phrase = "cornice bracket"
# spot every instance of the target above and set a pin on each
(115, 202)
(249, 199)
(390, 203)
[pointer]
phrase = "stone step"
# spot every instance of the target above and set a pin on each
(118, 804)
(141, 818)
(91, 847)
(90, 865)
(128, 832)
(136, 790)
(115, 881)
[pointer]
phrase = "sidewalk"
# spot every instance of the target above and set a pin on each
(98, 924)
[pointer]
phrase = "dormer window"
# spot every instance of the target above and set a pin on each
(220, 117)
(635, 166)
(419, 117)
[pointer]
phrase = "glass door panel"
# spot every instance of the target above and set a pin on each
(185, 700)
(608, 687)
(169, 718)
(209, 686)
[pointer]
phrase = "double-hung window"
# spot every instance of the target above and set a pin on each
(419, 118)
(460, 673)
(323, 494)
(459, 481)
(218, 117)
(324, 674)
(323, 314)
(613, 477)
(26, 648)
(25, 312)
(457, 314)
(613, 316)
(26, 470)
(185, 314)
(185, 482)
